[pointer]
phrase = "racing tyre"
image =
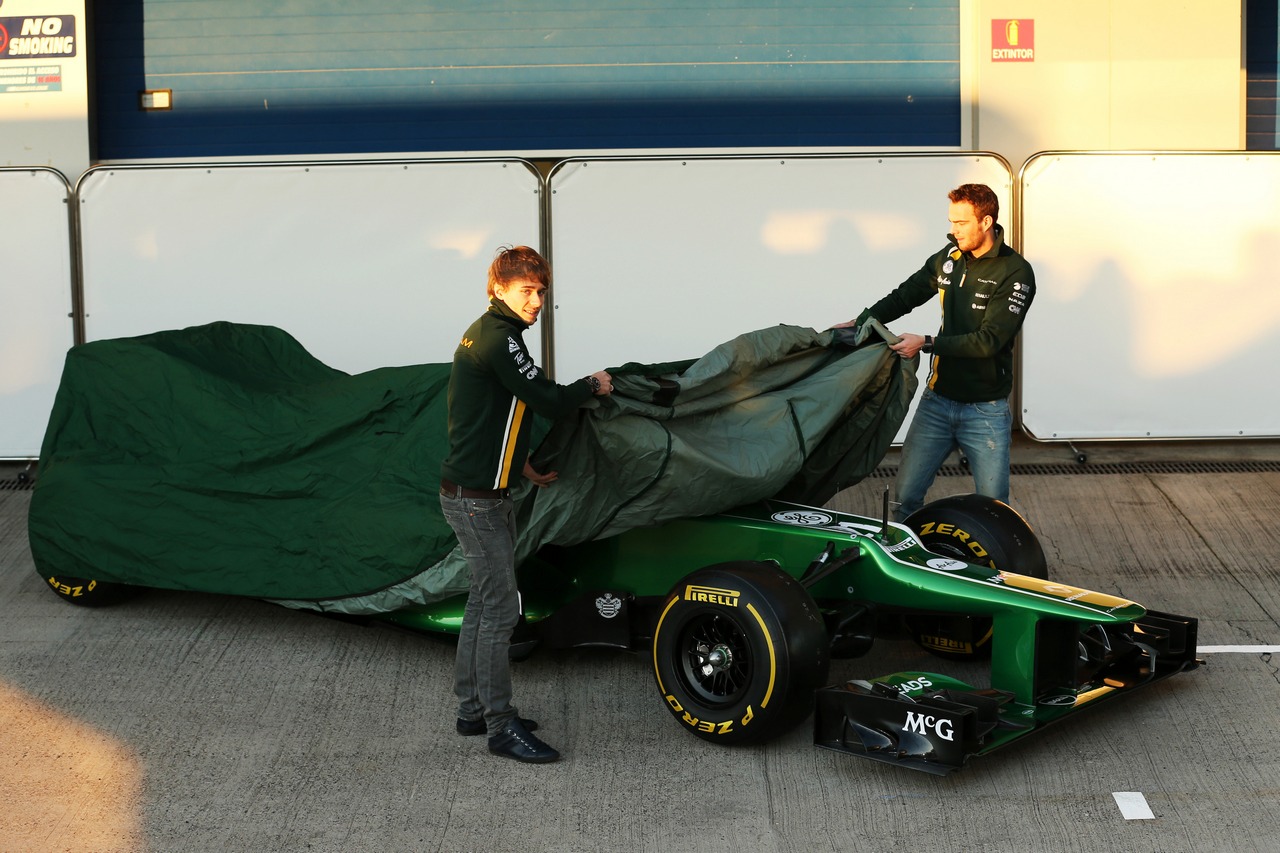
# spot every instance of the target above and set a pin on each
(738, 651)
(978, 530)
(87, 592)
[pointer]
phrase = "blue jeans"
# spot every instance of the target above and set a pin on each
(486, 530)
(941, 425)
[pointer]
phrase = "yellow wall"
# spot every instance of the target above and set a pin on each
(1109, 74)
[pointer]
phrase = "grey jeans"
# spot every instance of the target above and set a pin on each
(486, 530)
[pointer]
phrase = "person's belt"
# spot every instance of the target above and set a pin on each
(453, 490)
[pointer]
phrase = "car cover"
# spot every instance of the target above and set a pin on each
(225, 458)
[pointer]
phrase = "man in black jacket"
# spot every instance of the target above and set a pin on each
(985, 289)
(493, 390)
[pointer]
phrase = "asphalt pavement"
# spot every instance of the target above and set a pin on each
(184, 722)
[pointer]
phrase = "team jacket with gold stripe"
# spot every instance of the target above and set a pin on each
(493, 387)
(984, 301)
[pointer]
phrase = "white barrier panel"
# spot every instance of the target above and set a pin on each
(662, 259)
(35, 290)
(366, 264)
(1156, 313)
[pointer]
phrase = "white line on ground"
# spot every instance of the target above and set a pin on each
(1133, 806)
(1240, 650)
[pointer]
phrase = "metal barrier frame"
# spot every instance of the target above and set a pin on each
(545, 210)
(19, 418)
(379, 280)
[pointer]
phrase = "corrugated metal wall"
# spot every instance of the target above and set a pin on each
(1262, 46)
(320, 77)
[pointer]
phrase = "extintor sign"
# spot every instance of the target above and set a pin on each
(1013, 40)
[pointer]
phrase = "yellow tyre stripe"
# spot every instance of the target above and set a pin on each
(656, 633)
(773, 661)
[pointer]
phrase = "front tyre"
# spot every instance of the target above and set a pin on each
(738, 651)
(979, 530)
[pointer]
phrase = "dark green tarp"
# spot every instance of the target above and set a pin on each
(225, 458)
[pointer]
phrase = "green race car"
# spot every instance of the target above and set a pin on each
(743, 612)
(687, 521)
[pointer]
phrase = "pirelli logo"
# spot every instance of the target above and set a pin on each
(712, 595)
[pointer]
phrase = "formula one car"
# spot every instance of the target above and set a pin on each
(741, 647)
(225, 459)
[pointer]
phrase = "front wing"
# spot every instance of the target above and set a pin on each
(934, 723)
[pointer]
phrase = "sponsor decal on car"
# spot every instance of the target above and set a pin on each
(1064, 592)
(913, 685)
(802, 517)
(923, 724)
(608, 605)
(712, 595)
(816, 518)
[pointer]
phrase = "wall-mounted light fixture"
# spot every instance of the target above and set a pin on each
(155, 99)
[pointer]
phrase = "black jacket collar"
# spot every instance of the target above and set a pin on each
(499, 309)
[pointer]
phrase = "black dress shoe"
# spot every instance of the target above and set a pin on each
(468, 728)
(514, 741)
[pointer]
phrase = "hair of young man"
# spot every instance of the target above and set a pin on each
(981, 197)
(515, 263)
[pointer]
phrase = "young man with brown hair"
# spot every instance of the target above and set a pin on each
(493, 389)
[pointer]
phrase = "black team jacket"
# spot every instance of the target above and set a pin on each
(984, 301)
(493, 387)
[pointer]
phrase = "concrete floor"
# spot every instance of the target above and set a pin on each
(180, 722)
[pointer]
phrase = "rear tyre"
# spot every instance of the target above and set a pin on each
(738, 651)
(978, 530)
(87, 592)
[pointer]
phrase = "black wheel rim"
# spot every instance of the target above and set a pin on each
(947, 549)
(713, 659)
